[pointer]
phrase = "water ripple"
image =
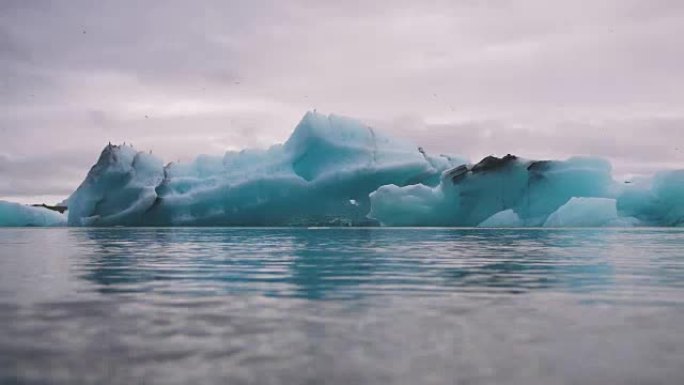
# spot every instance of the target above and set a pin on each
(340, 306)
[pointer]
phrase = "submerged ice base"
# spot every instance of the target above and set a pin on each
(335, 171)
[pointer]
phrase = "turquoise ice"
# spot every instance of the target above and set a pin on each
(336, 171)
(322, 175)
(18, 215)
(515, 192)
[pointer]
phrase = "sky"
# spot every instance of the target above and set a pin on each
(536, 78)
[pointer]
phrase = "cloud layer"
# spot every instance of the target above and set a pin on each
(537, 78)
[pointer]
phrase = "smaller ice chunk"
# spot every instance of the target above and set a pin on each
(584, 212)
(668, 187)
(506, 218)
(658, 201)
(412, 205)
(18, 215)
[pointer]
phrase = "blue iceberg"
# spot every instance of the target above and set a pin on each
(515, 192)
(18, 215)
(336, 171)
(322, 176)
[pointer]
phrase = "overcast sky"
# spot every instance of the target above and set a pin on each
(538, 78)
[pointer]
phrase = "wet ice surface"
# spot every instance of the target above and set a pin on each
(341, 306)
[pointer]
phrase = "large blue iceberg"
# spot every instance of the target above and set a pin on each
(335, 171)
(322, 176)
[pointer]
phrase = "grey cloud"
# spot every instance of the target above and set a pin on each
(51, 174)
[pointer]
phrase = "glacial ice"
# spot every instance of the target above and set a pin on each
(584, 212)
(506, 218)
(18, 215)
(335, 171)
(322, 175)
(657, 202)
(514, 192)
(472, 195)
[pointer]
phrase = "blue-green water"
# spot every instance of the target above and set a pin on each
(341, 306)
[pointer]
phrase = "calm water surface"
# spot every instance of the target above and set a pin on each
(341, 306)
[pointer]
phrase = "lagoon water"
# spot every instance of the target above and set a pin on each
(341, 306)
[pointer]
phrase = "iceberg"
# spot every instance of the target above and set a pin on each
(18, 215)
(515, 192)
(584, 212)
(336, 171)
(658, 201)
(322, 175)
(507, 191)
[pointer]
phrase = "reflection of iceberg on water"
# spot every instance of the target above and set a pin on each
(335, 171)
